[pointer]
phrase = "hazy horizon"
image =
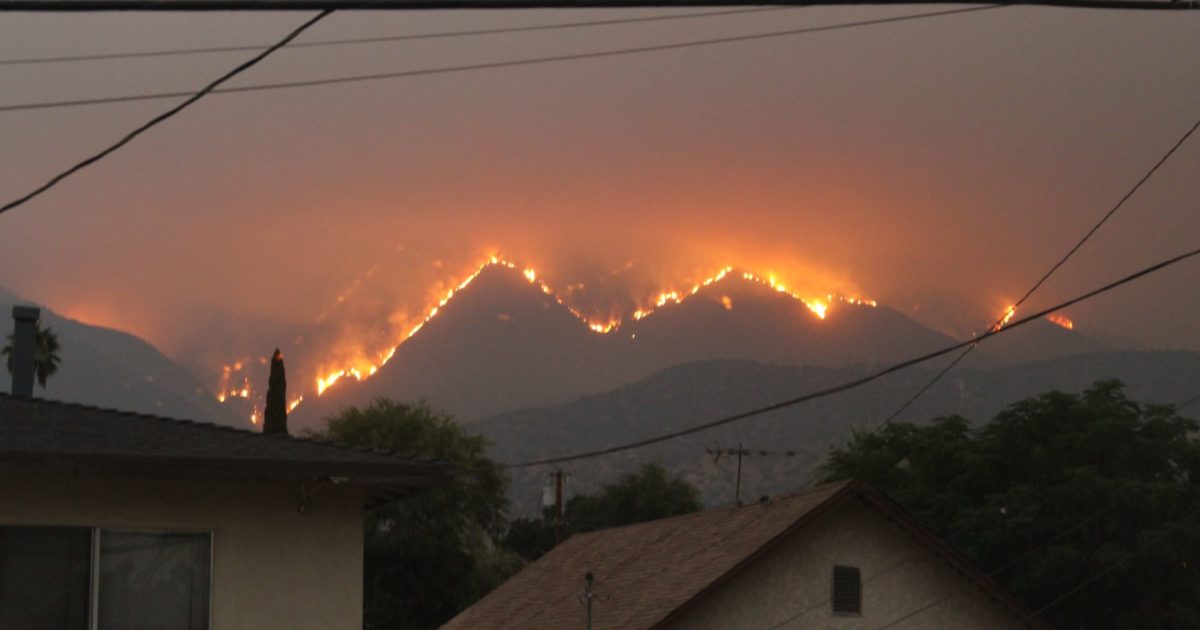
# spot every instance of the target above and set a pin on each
(937, 166)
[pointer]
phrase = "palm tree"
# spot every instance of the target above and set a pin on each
(45, 354)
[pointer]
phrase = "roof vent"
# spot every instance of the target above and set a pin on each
(847, 591)
(24, 347)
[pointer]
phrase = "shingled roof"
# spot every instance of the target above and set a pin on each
(657, 569)
(47, 436)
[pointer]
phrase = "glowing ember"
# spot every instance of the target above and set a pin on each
(726, 302)
(1061, 320)
(818, 306)
(1008, 315)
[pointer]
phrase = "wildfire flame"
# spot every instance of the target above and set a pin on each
(1061, 320)
(367, 365)
(1008, 315)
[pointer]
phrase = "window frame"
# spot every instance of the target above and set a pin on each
(93, 591)
(97, 533)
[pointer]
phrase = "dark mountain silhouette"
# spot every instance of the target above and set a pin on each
(1042, 340)
(499, 344)
(694, 393)
(503, 344)
(109, 368)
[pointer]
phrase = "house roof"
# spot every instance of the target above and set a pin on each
(47, 436)
(657, 569)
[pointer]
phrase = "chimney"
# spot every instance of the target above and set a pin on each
(24, 346)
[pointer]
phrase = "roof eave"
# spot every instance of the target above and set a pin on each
(894, 511)
(402, 474)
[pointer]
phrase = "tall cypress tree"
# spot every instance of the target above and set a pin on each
(275, 415)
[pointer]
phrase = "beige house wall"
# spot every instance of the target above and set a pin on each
(789, 587)
(273, 568)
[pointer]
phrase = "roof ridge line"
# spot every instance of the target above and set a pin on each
(212, 426)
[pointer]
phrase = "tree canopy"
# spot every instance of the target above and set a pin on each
(646, 495)
(1057, 490)
(430, 555)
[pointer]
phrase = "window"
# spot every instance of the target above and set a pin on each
(847, 591)
(153, 581)
(77, 578)
(45, 576)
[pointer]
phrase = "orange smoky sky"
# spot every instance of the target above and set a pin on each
(936, 166)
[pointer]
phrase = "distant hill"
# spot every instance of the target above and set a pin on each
(694, 393)
(109, 368)
(503, 344)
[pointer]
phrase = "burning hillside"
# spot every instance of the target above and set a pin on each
(360, 358)
(501, 349)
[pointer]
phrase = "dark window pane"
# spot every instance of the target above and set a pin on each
(44, 577)
(153, 581)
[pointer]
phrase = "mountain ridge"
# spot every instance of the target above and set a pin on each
(503, 342)
(691, 394)
(114, 369)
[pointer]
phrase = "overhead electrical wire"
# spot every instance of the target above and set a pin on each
(852, 384)
(1010, 564)
(425, 5)
(1187, 403)
(1046, 276)
(1109, 569)
(165, 115)
(380, 39)
(493, 65)
(1033, 614)
(991, 574)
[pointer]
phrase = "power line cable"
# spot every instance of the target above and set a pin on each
(1073, 590)
(885, 571)
(425, 5)
(208, 89)
(829, 391)
(916, 612)
(991, 573)
(377, 40)
(1000, 322)
(1046, 276)
(1187, 403)
(1109, 569)
(493, 65)
(994, 572)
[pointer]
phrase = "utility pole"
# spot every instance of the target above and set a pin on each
(742, 451)
(558, 505)
(737, 492)
(589, 596)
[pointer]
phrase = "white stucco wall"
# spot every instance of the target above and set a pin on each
(273, 568)
(790, 585)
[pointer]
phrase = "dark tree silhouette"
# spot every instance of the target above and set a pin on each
(1106, 485)
(433, 554)
(275, 414)
(649, 494)
(45, 354)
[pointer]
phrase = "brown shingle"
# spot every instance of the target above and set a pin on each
(647, 573)
(643, 572)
